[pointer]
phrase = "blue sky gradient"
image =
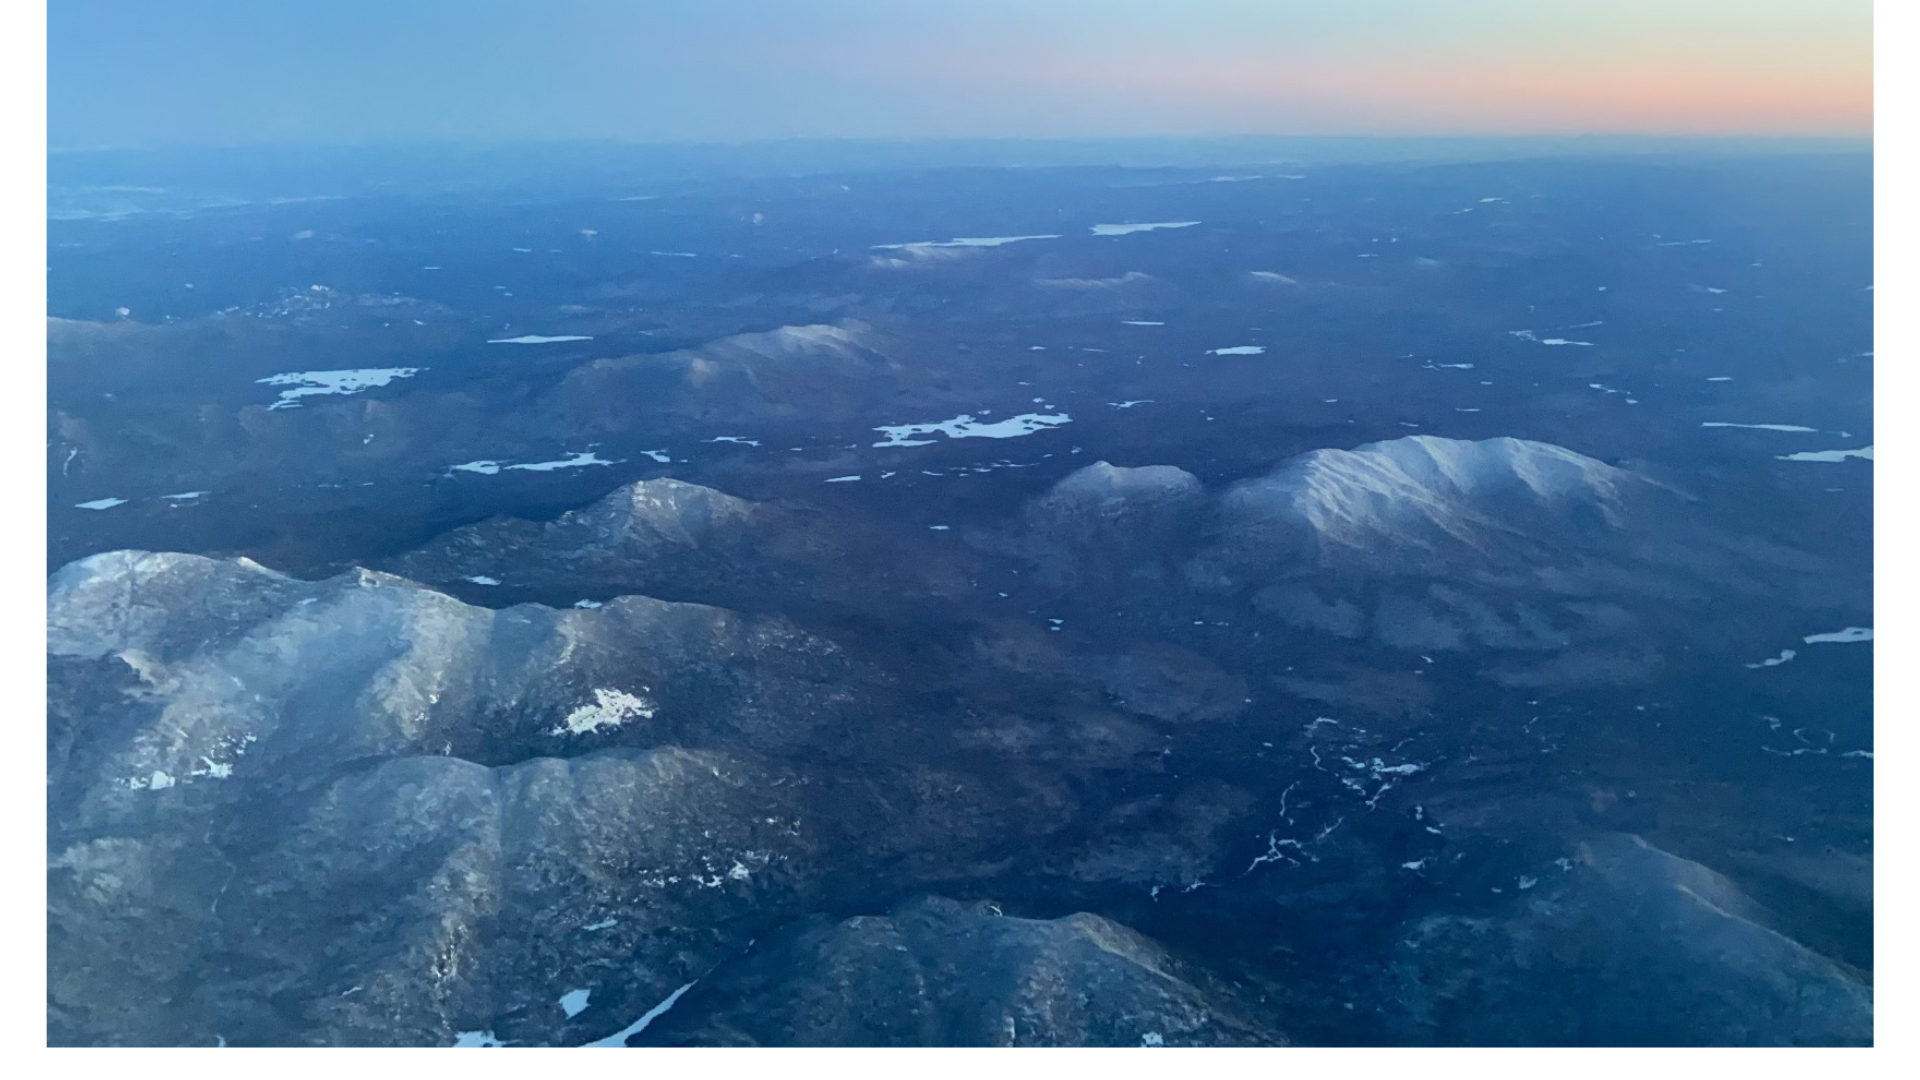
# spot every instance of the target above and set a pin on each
(222, 72)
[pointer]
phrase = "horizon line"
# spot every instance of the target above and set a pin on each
(773, 140)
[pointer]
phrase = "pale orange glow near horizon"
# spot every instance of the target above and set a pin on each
(1538, 98)
(1648, 93)
(1376, 67)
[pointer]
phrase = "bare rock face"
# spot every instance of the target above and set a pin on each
(1634, 947)
(939, 973)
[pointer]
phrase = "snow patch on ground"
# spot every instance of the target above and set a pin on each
(537, 339)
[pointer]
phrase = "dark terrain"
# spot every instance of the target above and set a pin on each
(854, 637)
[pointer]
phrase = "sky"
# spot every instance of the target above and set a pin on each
(243, 72)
